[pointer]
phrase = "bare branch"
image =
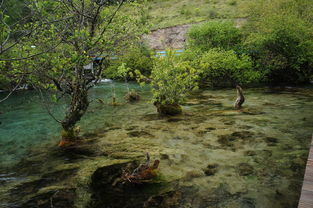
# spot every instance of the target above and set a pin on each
(109, 22)
(15, 88)
(45, 104)
(77, 10)
(94, 22)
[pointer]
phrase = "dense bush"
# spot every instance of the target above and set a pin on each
(282, 48)
(134, 58)
(212, 35)
(172, 79)
(225, 68)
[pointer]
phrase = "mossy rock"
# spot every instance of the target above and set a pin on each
(245, 169)
(109, 189)
(132, 96)
(211, 169)
(249, 153)
(271, 141)
(169, 109)
(61, 198)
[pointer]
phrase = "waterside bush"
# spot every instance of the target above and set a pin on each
(172, 79)
(282, 48)
(219, 67)
(214, 34)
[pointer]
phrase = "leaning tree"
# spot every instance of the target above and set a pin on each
(72, 41)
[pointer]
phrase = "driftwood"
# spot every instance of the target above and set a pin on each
(240, 98)
(143, 173)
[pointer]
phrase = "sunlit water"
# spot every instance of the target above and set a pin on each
(249, 158)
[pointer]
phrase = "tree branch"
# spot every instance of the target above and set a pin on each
(46, 105)
(109, 22)
(18, 84)
(31, 56)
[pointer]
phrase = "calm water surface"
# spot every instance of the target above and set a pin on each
(222, 157)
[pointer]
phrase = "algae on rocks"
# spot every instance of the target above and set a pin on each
(132, 96)
(169, 109)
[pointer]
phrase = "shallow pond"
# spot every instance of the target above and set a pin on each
(211, 156)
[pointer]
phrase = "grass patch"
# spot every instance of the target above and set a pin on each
(166, 13)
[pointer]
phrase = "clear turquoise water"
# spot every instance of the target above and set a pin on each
(187, 144)
(25, 122)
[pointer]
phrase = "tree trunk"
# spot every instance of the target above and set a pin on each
(240, 97)
(78, 107)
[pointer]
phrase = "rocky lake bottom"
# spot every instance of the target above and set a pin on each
(210, 156)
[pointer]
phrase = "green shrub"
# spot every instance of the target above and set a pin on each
(213, 35)
(225, 68)
(232, 2)
(172, 79)
(282, 47)
(134, 58)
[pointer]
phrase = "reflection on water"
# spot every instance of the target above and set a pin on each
(218, 157)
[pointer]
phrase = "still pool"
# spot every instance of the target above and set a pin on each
(211, 155)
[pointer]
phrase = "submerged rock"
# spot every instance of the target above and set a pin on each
(189, 196)
(243, 134)
(168, 199)
(271, 141)
(139, 134)
(247, 203)
(210, 128)
(109, 191)
(245, 169)
(169, 109)
(250, 153)
(42, 192)
(226, 140)
(211, 169)
(132, 96)
(174, 119)
(229, 140)
(60, 198)
(252, 112)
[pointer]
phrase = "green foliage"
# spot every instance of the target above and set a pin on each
(133, 58)
(120, 72)
(281, 42)
(15, 10)
(172, 79)
(225, 68)
(138, 58)
(232, 2)
(212, 35)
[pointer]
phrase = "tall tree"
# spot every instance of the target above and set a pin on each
(72, 40)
